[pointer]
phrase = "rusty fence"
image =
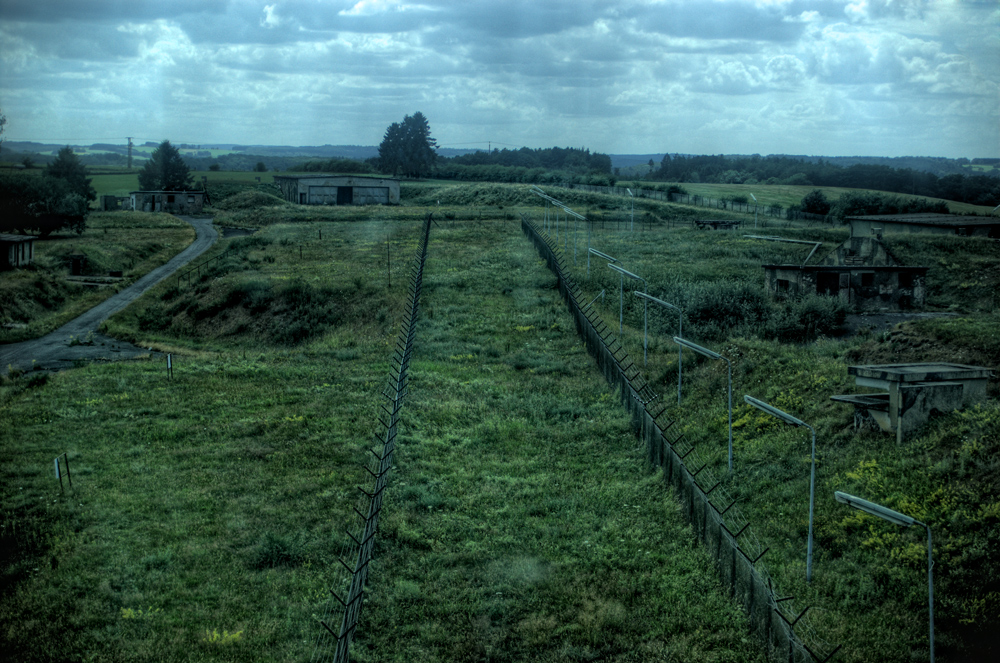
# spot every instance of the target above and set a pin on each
(713, 513)
(334, 640)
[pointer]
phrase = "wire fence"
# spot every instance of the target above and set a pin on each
(726, 204)
(188, 273)
(712, 511)
(334, 644)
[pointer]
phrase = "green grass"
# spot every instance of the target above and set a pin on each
(519, 518)
(787, 195)
(214, 504)
(38, 299)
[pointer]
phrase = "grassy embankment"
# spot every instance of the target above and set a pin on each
(787, 195)
(869, 577)
(38, 299)
(207, 510)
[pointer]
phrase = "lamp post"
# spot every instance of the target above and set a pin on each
(902, 520)
(789, 419)
(599, 255)
(621, 293)
(754, 210)
(631, 225)
(680, 332)
(684, 343)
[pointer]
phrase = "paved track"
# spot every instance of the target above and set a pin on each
(53, 352)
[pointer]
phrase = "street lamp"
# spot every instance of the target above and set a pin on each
(632, 217)
(599, 255)
(680, 332)
(897, 518)
(789, 419)
(715, 355)
(754, 210)
(621, 292)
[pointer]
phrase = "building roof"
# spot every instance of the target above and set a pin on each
(16, 239)
(928, 219)
(334, 175)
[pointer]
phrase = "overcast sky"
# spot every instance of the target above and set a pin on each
(821, 77)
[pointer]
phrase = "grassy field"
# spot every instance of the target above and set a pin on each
(521, 522)
(787, 195)
(207, 510)
(112, 183)
(39, 299)
(866, 574)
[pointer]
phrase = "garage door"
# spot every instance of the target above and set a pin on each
(371, 195)
(323, 195)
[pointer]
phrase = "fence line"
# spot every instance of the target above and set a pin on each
(187, 273)
(712, 512)
(776, 211)
(334, 645)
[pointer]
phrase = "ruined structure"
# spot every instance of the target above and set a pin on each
(16, 250)
(861, 272)
(173, 202)
(941, 224)
(912, 394)
(320, 189)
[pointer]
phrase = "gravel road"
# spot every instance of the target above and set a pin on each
(53, 351)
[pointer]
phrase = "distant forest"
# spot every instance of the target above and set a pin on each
(974, 189)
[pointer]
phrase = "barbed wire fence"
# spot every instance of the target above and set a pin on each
(712, 511)
(334, 644)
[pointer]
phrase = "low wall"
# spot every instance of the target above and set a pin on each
(712, 513)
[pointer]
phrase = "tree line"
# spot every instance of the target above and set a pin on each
(974, 189)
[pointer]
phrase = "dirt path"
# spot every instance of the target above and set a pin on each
(53, 351)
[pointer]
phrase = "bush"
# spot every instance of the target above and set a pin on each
(276, 550)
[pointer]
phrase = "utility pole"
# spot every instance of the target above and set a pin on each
(130, 152)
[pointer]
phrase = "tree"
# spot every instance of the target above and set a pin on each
(39, 203)
(408, 148)
(3, 126)
(815, 202)
(260, 167)
(67, 167)
(165, 170)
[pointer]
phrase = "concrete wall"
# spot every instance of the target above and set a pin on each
(172, 202)
(326, 190)
(16, 253)
(863, 289)
(863, 228)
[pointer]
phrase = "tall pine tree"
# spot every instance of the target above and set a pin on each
(408, 148)
(165, 170)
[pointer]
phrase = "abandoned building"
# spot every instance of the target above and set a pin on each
(16, 250)
(861, 272)
(319, 189)
(912, 394)
(173, 202)
(941, 224)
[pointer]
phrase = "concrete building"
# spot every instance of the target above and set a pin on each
(173, 202)
(941, 224)
(912, 394)
(320, 189)
(16, 250)
(861, 272)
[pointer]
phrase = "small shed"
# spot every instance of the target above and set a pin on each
(320, 189)
(861, 272)
(941, 224)
(16, 250)
(173, 202)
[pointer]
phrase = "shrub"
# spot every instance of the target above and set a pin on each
(276, 550)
